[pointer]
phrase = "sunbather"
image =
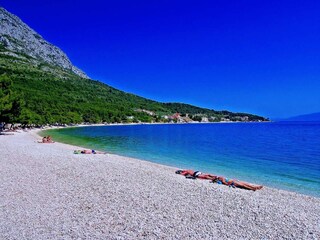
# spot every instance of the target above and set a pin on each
(195, 174)
(87, 152)
(221, 180)
(47, 139)
(237, 183)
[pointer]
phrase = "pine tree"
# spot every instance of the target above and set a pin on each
(10, 103)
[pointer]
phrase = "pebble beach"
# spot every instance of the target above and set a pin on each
(47, 192)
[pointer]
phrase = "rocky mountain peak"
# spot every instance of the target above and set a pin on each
(18, 37)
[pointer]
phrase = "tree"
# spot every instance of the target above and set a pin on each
(28, 117)
(73, 117)
(197, 118)
(10, 103)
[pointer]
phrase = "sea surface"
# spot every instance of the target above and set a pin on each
(284, 155)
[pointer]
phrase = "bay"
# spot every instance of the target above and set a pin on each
(284, 155)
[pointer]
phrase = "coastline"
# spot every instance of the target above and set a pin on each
(49, 192)
(257, 165)
(146, 123)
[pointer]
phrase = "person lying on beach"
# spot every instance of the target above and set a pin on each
(218, 179)
(237, 183)
(87, 152)
(195, 174)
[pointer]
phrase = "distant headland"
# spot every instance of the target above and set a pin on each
(312, 117)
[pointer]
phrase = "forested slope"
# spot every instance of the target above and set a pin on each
(50, 94)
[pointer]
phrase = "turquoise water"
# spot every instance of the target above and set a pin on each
(281, 155)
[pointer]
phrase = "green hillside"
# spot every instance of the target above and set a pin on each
(46, 94)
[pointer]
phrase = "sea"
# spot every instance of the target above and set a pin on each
(283, 155)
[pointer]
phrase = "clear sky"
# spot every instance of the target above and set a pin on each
(261, 57)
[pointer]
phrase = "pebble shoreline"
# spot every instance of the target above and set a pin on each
(47, 192)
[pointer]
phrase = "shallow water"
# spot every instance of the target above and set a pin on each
(283, 155)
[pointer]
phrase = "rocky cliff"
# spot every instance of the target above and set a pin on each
(19, 38)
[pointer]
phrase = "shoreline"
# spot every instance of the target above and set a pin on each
(134, 124)
(49, 192)
(298, 189)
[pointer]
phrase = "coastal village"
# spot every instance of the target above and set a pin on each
(195, 118)
(179, 118)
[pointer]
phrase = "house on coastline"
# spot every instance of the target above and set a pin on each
(179, 119)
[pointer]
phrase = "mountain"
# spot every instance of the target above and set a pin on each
(39, 85)
(313, 117)
(19, 38)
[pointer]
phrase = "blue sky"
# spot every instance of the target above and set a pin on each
(261, 57)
